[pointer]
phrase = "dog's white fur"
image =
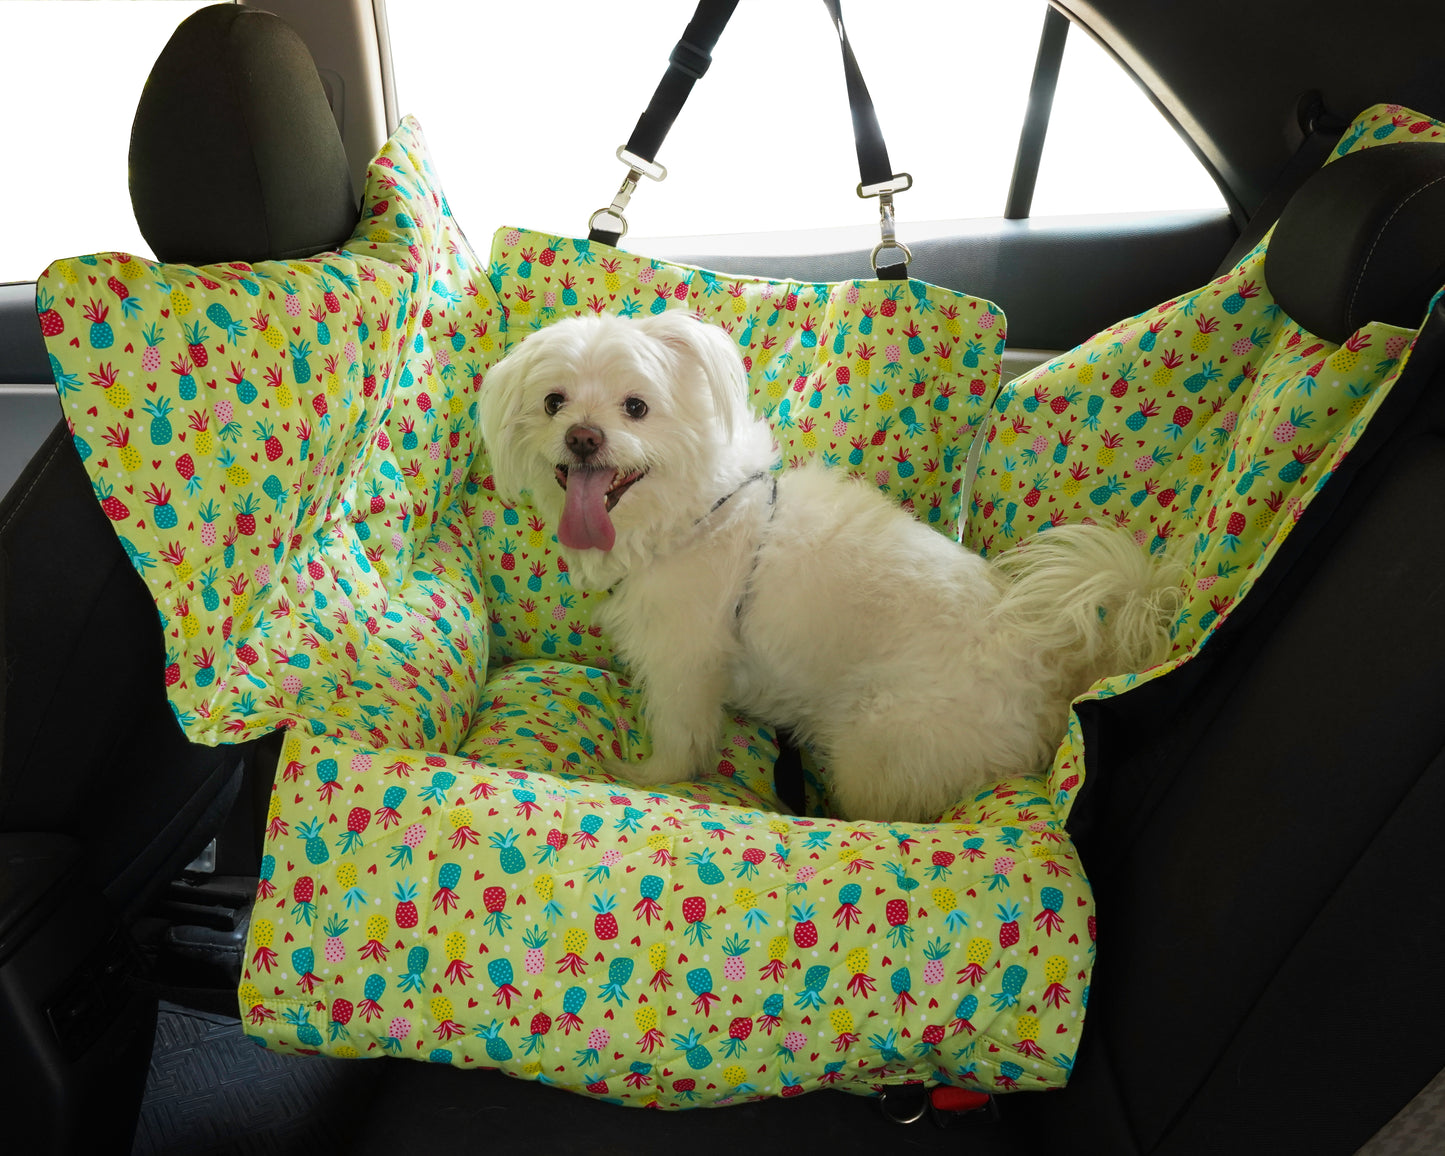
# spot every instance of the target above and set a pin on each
(917, 669)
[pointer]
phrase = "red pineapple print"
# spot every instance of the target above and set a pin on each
(51, 322)
(805, 932)
(1008, 932)
(604, 922)
(693, 908)
(406, 913)
(114, 508)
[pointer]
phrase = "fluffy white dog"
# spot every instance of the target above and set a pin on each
(804, 598)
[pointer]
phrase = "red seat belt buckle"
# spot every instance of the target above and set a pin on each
(947, 1098)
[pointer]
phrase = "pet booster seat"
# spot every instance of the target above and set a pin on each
(287, 452)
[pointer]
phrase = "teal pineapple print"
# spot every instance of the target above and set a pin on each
(699, 982)
(708, 873)
(573, 1000)
(695, 1052)
(300, 363)
(316, 849)
(159, 412)
(1208, 374)
(1236, 300)
(245, 388)
(1010, 985)
(509, 855)
(323, 330)
(219, 315)
(619, 971)
(299, 1017)
(163, 512)
(498, 1050)
(186, 381)
(815, 979)
(102, 336)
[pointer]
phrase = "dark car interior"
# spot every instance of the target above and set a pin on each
(1246, 869)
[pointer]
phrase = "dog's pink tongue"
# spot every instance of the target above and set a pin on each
(585, 524)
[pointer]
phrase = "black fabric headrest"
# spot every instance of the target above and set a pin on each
(234, 154)
(1362, 240)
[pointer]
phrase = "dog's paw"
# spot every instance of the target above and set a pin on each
(650, 772)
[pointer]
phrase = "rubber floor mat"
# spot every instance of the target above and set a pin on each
(211, 1092)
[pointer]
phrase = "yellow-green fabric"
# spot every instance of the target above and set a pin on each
(288, 453)
(299, 482)
(1204, 426)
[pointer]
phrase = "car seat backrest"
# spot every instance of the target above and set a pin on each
(1362, 240)
(253, 169)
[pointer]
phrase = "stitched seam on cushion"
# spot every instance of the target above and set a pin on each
(1349, 312)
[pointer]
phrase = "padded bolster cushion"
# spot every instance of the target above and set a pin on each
(1362, 240)
(250, 169)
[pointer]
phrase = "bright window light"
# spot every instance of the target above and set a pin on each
(1101, 112)
(763, 150)
(526, 133)
(77, 71)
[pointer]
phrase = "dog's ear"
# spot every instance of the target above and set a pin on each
(714, 353)
(503, 395)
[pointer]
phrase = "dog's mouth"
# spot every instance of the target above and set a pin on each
(592, 493)
(612, 493)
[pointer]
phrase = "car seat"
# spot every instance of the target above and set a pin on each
(1261, 840)
(97, 819)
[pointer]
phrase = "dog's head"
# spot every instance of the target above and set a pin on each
(614, 426)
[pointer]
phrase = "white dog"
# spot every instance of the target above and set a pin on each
(917, 670)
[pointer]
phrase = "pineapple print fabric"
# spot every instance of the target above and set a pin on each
(1204, 426)
(886, 380)
(287, 452)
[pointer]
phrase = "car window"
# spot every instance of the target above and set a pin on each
(1099, 110)
(526, 134)
(77, 70)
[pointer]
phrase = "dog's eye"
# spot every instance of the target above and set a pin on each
(552, 403)
(635, 408)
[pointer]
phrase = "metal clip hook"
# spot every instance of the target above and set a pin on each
(637, 168)
(884, 190)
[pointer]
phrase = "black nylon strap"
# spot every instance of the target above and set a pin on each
(688, 62)
(685, 66)
(873, 166)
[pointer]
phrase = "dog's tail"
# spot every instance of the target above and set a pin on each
(1090, 598)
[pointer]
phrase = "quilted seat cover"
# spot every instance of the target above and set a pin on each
(288, 453)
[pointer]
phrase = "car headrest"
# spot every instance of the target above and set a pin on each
(234, 153)
(1362, 240)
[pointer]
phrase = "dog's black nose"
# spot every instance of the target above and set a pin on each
(584, 440)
